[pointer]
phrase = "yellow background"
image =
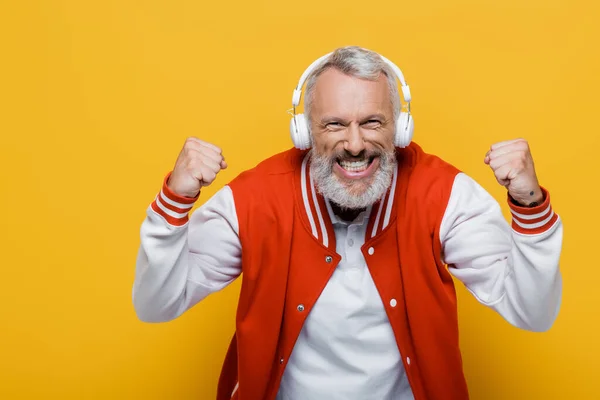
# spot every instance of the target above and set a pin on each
(97, 97)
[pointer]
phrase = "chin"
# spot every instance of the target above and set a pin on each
(352, 184)
(356, 187)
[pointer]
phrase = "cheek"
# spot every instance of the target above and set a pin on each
(390, 136)
(383, 138)
(324, 144)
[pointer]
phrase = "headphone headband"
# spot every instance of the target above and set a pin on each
(299, 125)
(298, 90)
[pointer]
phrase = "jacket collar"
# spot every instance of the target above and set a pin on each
(317, 215)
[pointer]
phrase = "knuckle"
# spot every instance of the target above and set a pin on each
(192, 155)
(518, 164)
(214, 147)
(208, 178)
(193, 165)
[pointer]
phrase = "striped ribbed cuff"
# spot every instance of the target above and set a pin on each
(171, 206)
(533, 220)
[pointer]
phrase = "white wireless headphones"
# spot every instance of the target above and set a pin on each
(299, 124)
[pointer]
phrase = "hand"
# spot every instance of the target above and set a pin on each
(513, 167)
(197, 166)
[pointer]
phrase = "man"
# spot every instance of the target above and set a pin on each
(348, 249)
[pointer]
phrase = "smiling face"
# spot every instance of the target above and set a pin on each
(352, 124)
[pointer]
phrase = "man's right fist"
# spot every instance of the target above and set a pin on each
(198, 164)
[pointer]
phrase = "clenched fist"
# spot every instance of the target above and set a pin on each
(197, 166)
(513, 167)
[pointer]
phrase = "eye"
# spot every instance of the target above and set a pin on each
(334, 124)
(372, 123)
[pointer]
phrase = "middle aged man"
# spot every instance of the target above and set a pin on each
(348, 245)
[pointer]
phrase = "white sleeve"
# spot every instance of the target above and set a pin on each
(181, 261)
(513, 269)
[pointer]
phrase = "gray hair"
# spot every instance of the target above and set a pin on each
(357, 62)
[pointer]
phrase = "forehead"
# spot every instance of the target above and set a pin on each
(336, 92)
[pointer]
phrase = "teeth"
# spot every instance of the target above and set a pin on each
(354, 166)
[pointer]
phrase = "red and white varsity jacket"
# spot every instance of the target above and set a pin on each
(270, 225)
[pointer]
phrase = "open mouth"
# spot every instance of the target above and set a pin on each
(356, 166)
(356, 169)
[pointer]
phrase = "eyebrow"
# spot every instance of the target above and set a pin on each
(375, 116)
(327, 119)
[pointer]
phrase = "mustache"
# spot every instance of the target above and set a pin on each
(344, 155)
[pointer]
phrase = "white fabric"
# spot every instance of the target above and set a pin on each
(517, 275)
(346, 349)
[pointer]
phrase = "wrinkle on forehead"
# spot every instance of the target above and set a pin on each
(339, 95)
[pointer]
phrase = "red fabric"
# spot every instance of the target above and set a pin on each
(545, 208)
(284, 265)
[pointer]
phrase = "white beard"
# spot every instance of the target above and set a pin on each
(346, 194)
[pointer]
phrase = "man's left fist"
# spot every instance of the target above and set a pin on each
(513, 167)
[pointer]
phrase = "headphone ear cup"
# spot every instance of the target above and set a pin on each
(299, 132)
(404, 130)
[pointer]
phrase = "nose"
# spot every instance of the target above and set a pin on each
(354, 143)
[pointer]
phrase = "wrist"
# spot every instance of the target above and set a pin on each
(533, 199)
(173, 192)
(173, 207)
(532, 219)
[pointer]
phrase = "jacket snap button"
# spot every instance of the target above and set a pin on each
(393, 302)
(371, 251)
(281, 361)
(408, 360)
(300, 307)
(328, 259)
